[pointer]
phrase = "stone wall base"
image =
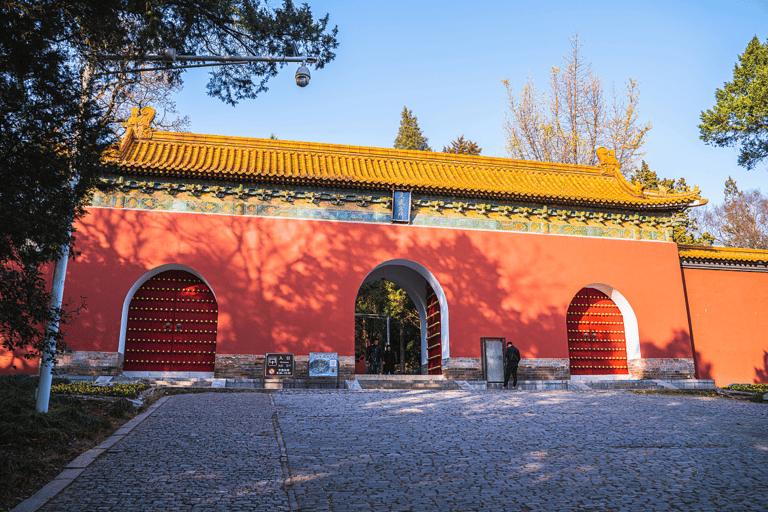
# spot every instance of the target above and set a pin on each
(664, 369)
(243, 366)
(463, 368)
(89, 363)
(544, 369)
(231, 366)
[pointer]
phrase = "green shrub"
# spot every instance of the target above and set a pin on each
(749, 388)
(86, 388)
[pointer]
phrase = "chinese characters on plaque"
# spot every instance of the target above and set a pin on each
(401, 206)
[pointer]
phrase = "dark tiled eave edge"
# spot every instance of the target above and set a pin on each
(723, 258)
(440, 191)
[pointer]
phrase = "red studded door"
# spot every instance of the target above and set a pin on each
(171, 326)
(596, 343)
(434, 343)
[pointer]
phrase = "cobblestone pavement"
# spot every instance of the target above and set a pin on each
(199, 452)
(435, 451)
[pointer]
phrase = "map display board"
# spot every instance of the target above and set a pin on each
(323, 364)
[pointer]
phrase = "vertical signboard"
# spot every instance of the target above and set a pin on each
(401, 206)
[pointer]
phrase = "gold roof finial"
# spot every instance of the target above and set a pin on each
(141, 123)
(608, 160)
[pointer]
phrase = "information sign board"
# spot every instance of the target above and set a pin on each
(278, 365)
(323, 365)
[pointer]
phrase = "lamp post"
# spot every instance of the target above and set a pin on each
(168, 57)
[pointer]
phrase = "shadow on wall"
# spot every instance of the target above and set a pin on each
(291, 286)
(761, 374)
(703, 368)
(478, 289)
(14, 362)
(677, 346)
(108, 254)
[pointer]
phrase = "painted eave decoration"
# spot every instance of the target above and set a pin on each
(144, 151)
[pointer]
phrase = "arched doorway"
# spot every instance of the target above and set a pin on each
(597, 342)
(171, 325)
(428, 298)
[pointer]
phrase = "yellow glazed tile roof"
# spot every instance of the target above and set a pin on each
(723, 254)
(144, 151)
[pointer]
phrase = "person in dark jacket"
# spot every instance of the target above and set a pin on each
(390, 359)
(512, 359)
(374, 357)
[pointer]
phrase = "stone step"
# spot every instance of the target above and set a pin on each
(407, 384)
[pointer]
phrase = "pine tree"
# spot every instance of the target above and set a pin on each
(409, 136)
(687, 231)
(739, 115)
(462, 147)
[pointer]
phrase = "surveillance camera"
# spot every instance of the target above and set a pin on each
(302, 76)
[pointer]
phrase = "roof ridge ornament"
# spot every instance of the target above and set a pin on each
(141, 124)
(608, 161)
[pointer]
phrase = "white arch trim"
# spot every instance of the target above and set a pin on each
(631, 331)
(418, 298)
(143, 279)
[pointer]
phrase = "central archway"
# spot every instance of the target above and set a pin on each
(430, 302)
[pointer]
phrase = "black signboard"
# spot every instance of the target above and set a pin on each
(278, 365)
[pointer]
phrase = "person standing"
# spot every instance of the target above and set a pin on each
(512, 359)
(374, 357)
(390, 359)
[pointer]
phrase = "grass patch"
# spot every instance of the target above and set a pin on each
(34, 447)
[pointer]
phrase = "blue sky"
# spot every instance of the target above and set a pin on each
(445, 60)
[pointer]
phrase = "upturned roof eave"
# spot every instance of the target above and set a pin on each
(144, 156)
(448, 190)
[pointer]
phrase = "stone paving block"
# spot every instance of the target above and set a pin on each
(424, 450)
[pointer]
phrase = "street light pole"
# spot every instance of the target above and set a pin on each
(168, 57)
(43, 394)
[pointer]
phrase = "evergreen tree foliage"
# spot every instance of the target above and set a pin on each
(462, 147)
(386, 298)
(742, 220)
(53, 133)
(740, 114)
(409, 135)
(687, 231)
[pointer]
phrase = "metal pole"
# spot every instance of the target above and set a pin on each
(43, 394)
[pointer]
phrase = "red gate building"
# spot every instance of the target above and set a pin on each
(212, 251)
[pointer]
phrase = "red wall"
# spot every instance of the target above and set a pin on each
(729, 318)
(286, 285)
(290, 285)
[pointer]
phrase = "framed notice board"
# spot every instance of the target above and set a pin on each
(279, 365)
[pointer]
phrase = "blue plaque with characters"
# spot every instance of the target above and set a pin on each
(401, 206)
